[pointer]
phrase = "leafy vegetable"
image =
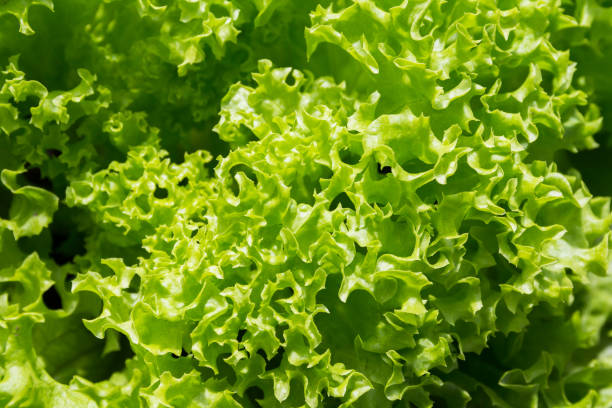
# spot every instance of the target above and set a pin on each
(349, 203)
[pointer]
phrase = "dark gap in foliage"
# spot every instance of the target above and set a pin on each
(240, 335)
(183, 354)
(361, 250)
(52, 299)
(383, 169)
(33, 177)
(398, 218)
(275, 361)
(205, 372)
(576, 391)
(501, 272)
(329, 401)
(349, 157)
(547, 81)
(471, 247)
(6, 198)
(473, 126)
(92, 304)
(320, 349)
(343, 200)
(198, 133)
(374, 172)
(67, 240)
(325, 173)
(134, 285)
(194, 232)
(14, 290)
(60, 184)
(184, 182)
(282, 294)
(225, 370)
(279, 331)
(569, 8)
(313, 183)
(253, 394)
(332, 402)
(248, 134)
(591, 164)
(290, 79)
(68, 282)
(40, 244)
(24, 106)
(199, 217)
(583, 109)
(483, 367)
(129, 254)
(503, 203)
(504, 44)
(160, 193)
(246, 171)
(53, 153)
(555, 375)
(451, 82)
(114, 361)
(219, 148)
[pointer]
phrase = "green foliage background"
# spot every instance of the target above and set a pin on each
(276, 203)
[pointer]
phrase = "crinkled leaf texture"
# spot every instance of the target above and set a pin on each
(348, 203)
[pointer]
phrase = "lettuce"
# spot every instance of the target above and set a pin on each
(349, 203)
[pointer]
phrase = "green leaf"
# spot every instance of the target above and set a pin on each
(32, 208)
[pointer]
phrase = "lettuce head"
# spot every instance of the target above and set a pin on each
(283, 203)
